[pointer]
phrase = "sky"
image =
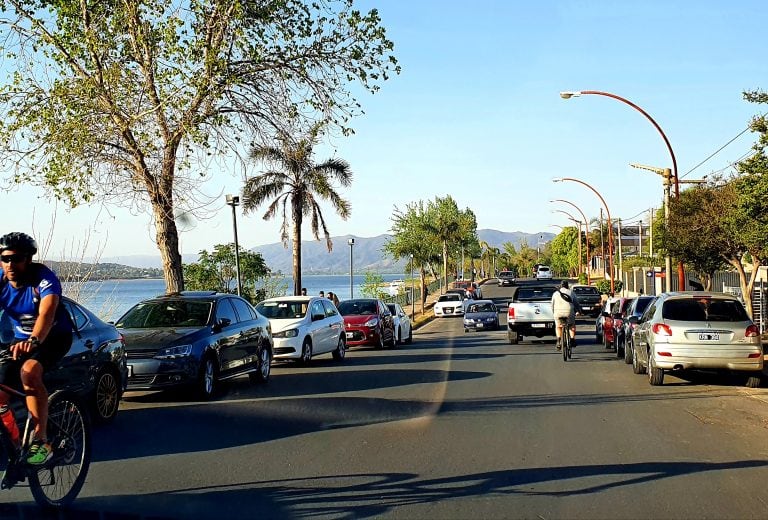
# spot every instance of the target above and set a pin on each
(475, 114)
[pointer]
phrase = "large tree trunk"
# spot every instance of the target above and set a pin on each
(167, 240)
(445, 266)
(297, 220)
(423, 292)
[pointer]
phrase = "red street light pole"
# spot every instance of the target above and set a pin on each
(586, 236)
(610, 226)
(570, 94)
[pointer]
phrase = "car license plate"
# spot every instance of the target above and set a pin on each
(538, 325)
(479, 325)
(713, 336)
(349, 335)
(130, 370)
(448, 311)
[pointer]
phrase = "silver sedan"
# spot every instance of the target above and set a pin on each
(696, 330)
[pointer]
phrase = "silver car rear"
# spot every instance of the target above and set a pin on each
(697, 330)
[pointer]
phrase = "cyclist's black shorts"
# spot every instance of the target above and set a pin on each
(48, 353)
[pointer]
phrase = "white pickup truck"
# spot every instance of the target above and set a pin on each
(530, 314)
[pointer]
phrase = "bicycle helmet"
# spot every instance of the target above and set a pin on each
(564, 284)
(18, 241)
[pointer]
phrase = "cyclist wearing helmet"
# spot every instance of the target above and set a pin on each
(29, 295)
(563, 306)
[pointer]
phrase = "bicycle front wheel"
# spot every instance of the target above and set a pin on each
(58, 482)
(565, 345)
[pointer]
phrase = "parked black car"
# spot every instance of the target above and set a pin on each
(195, 339)
(95, 367)
(624, 335)
(588, 299)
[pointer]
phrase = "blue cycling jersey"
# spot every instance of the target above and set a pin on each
(22, 304)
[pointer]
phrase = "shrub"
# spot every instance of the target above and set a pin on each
(604, 286)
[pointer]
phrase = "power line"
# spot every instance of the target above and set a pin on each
(716, 152)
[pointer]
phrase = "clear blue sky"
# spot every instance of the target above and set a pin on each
(476, 114)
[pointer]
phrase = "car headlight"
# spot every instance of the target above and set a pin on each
(290, 333)
(371, 323)
(468, 320)
(174, 352)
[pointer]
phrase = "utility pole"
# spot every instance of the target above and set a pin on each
(621, 269)
(640, 238)
(602, 243)
(650, 232)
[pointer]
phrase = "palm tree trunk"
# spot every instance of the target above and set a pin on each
(297, 220)
(445, 265)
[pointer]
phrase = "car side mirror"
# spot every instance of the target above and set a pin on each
(318, 317)
(221, 324)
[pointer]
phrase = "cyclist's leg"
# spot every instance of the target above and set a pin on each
(558, 333)
(37, 395)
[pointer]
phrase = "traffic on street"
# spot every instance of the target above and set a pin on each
(452, 425)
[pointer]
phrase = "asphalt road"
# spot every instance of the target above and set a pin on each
(453, 426)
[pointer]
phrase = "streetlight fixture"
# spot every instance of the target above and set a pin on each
(569, 94)
(586, 237)
(351, 243)
(610, 225)
(413, 293)
(234, 200)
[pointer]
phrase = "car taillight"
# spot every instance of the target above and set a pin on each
(661, 329)
(511, 312)
(755, 355)
(752, 331)
(665, 354)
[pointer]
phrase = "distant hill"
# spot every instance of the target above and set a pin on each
(367, 253)
(101, 271)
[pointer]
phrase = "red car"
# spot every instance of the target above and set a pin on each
(614, 321)
(367, 321)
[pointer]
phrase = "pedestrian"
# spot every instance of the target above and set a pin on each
(322, 294)
(332, 296)
(303, 291)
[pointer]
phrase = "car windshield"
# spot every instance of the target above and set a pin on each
(166, 313)
(585, 290)
(357, 307)
(449, 298)
(283, 310)
(482, 307)
(392, 308)
(642, 304)
(534, 294)
(704, 309)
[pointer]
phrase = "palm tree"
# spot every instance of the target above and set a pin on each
(297, 181)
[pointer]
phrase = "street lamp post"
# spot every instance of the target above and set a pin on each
(588, 264)
(351, 243)
(413, 292)
(570, 94)
(610, 225)
(234, 200)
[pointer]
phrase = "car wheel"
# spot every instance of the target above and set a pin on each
(207, 379)
(341, 350)
(619, 348)
(393, 341)
(106, 396)
(399, 338)
(655, 375)
(261, 375)
(306, 353)
(606, 344)
(410, 336)
(598, 338)
(628, 352)
(380, 343)
(514, 339)
(754, 381)
(637, 368)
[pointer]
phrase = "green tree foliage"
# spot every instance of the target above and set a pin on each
(696, 231)
(130, 102)
(412, 235)
(604, 286)
(564, 257)
(297, 184)
(216, 271)
(451, 226)
(373, 285)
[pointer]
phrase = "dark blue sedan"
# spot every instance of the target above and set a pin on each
(197, 340)
(481, 315)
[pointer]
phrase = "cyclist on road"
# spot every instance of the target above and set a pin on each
(563, 306)
(29, 295)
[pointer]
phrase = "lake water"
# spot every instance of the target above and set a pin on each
(111, 298)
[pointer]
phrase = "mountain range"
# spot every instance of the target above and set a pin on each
(366, 253)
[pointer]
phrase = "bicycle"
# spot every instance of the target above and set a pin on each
(565, 338)
(57, 482)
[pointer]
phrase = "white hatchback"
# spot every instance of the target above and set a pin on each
(544, 273)
(305, 326)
